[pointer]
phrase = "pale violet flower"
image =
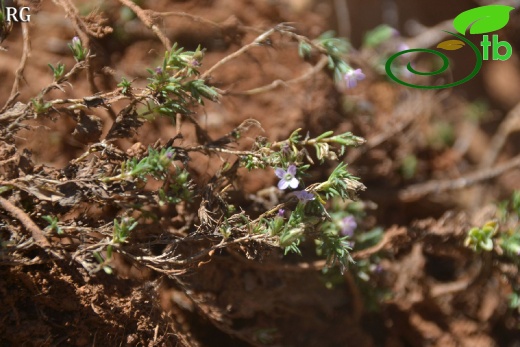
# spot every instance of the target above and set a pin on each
(77, 49)
(281, 212)
(286, 149)
(352, 77)
(348, 225)
(287, 178)
(304, 196)
(402, 47)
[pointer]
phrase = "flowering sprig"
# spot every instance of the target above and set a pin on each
(340, 183)
(291, 160)
(335, 49)
(176, 59)
(79, 52)
(293, 150)
(322, 143)
(173, 86)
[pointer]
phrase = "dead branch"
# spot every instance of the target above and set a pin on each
(417, 191)
(278, 83)
(147, 20)
(196, 19)
(21, 67)
(27, 222)
(509, 125)
(242, 50)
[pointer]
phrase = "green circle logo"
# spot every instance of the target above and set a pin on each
(444, 67)
(479, 20)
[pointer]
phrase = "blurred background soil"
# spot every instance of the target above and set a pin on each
(442, 293)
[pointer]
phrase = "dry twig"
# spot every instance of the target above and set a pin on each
(417, 191)
(27, 222)
(509, 125)
(21, 67)
(147, 20)
(278, 83)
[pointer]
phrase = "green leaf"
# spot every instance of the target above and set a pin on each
(486, 244)
(451, 45)
(483, 19)
(379, 35)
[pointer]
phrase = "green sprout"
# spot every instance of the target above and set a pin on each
(125, 86)
(121, 232)
(57, 71)
(53, 224)
(39, 106)
(481, 239)
(122, 229)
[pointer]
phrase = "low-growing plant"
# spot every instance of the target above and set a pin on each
(501, 239)
(108, 176)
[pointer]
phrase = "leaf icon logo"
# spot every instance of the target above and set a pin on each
(451, 45)
(483, 19)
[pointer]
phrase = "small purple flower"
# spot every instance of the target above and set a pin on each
(348, 225)
(76, 41)
(394, 32)
(281, 212)
(352, 77)
(158, 70)
(304, 196)
(287, 178)
(286, 149)
(402, 47)
(376, 269)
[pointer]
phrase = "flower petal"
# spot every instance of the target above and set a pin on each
(292, 170)
(359, 75)
(283, 184)
(294, 183)
(280, 173)
(304, 196)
